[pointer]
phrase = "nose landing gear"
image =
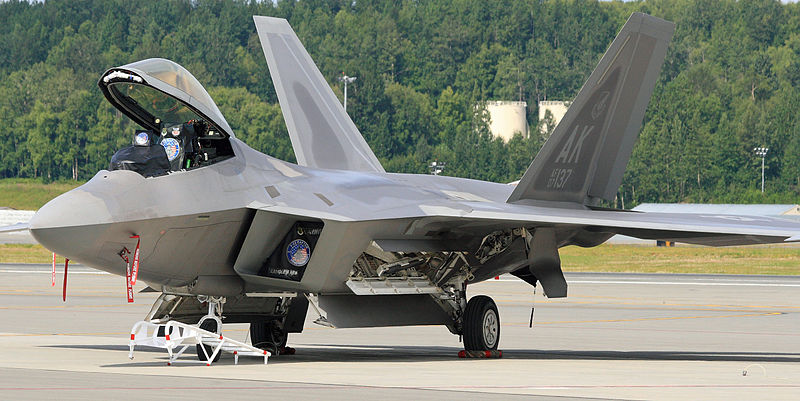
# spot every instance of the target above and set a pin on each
(210, 322)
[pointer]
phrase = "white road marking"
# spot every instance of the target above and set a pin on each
(751, 284)
(50, 272)
(711, 283)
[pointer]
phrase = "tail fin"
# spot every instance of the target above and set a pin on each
(585, 157)
(322, 133)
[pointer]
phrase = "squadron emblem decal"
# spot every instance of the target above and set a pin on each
(172, 147)
(298, 253)
(601, 104)
(142, 139)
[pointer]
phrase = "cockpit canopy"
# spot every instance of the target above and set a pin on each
(177, 113)
(160, 89)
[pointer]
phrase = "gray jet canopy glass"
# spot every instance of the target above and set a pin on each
(176, 112)
(159, 104)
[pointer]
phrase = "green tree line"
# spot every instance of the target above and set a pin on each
(423, 67)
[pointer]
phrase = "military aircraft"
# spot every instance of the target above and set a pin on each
(214, 221)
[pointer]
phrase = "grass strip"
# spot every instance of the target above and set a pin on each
(772, 260)
(31, 194)
(25, 253)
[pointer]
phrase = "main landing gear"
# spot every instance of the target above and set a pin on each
(271, 336)
(480, 328)
(267, 335)
(477, 322)
(481, 324)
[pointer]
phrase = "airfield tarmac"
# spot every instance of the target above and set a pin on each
(618, 336)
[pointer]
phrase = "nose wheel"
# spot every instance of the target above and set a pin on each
(205, 351)
(481, 324)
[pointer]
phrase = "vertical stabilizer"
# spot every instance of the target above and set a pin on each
(585, 157)
(322, 134)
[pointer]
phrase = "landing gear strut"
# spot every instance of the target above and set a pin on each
(481, 324)
(211, 322)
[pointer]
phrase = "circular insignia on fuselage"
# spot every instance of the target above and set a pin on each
(298, 253)
(172, 147)
(142, 139)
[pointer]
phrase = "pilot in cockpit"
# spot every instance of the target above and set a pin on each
(175, 149)
(180, 141)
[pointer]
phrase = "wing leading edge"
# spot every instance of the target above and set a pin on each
(14, 228)
(701, 229)
(322, 134)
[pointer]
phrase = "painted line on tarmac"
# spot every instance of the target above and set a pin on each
(299, 386)
(611, 386)
(643, 319)
(714, 283)
(50, 272)
(304, 386)
(701, 283)
(682, 331)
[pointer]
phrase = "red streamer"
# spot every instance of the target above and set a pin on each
(128, 281)
(64, 291)
(135, 272)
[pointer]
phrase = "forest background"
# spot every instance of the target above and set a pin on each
(729, 83)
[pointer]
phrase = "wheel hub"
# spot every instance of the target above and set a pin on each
(490, 328)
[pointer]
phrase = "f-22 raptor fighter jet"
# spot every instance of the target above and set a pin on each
(216, 221)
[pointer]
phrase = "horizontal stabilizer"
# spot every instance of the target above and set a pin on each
(585, 157)
(322, 133)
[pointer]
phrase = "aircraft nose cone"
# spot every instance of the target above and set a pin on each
(74, 208)
(65, 224)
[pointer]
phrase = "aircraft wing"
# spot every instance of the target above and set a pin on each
(702, 229)
(481, 218)
(14, 227)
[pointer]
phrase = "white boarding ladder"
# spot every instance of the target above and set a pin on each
(180, 336)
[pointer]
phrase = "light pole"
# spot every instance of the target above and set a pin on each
(761, 152)
(346, 80)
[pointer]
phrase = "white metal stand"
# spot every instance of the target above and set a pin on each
(180, 336)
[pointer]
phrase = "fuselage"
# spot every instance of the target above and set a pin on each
(192, 223)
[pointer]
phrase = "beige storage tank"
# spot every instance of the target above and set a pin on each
(507, 118)
(557, 110)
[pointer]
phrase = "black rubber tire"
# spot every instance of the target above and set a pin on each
(481, 311)
(268, 336)
(210, 325)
